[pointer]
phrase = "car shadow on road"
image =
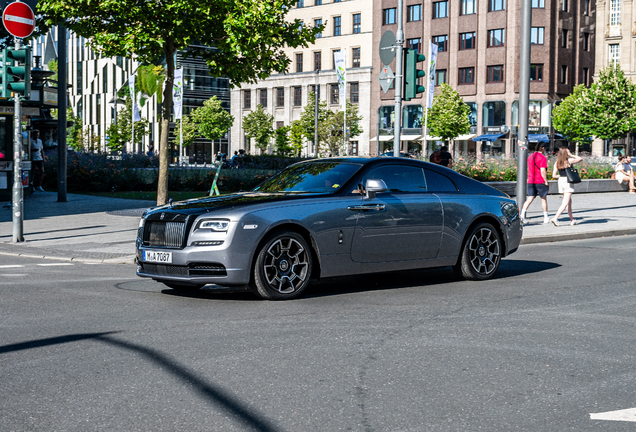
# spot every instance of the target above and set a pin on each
(371, 282)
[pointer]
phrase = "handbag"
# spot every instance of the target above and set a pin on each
(572, 175)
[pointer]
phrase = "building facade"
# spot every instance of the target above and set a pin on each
(478, 43)
(348, 28)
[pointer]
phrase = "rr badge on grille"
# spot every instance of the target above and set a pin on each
(163, 215)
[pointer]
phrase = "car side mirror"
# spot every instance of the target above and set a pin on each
(374, 186)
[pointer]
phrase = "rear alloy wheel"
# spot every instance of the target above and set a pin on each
(283, 267)
(481, 254)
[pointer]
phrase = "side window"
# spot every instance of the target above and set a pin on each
(399, 178)
(439, 183)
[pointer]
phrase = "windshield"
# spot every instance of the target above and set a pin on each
(312, 177)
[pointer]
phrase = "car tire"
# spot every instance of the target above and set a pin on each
(182, 287)
(481, 253)
(282, 267)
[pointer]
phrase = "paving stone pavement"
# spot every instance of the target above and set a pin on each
(101, 229)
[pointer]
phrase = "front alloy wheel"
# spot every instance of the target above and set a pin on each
(283, 267)
(481, 253)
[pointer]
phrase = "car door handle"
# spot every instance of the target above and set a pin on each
(367, 207)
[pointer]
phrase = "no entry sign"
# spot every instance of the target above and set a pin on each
(18, 19)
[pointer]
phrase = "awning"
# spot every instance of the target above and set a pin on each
(538, 138)
(383, 138)
(488, 137)
(410, 137)
(465, 137)
(432, 138)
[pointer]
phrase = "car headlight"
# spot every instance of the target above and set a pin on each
(142, 222)
(510, 210)
(217, 225)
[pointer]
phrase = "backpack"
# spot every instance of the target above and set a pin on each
(436, 157)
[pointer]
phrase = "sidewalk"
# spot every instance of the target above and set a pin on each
(97, 229)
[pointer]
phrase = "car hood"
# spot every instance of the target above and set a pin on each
(228, 202)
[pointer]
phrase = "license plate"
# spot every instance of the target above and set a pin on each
(158, 257)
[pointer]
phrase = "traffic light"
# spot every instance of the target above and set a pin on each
(412, 73)
(16, 72)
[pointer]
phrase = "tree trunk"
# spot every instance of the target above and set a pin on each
(166, 108)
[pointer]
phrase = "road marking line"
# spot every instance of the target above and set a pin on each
(12, 274)
(620, 415)
(55, 264)
(11, 266)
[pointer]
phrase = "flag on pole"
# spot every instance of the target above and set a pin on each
(135, 107)
(177, 93)
(341, 71)
(432, 56)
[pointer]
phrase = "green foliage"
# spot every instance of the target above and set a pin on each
(330, 126)
(609, 106)
(75, 135)
(52, 65)
(282, 141)
(212, 120)
(190, 131)
(296, 138)
(149, 82)
(448, 118)
(568, 116)
(259, 125)
(120, 133)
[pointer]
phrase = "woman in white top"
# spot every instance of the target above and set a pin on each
(624, 172)
(565, 159)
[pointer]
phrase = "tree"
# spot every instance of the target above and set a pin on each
(448, 118)
(330, 126)
(74, 134)
(608, 108)
(282, 141)
(568, 118)
(259, 125)
(120, 132)
(296, 137)
(240, 39)
(212, 120)
(190, 131)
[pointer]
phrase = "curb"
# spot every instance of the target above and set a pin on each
(129, 259)
(577, 236)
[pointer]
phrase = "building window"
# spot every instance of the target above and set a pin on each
(247, 99)
(440, 9)
(586, 41)
(356, 57)
(467, 75)
(414, 13)
(441, 42)
(495, 74)
(333, 56)
(337, 26)
(299, 62)
(496, 37)
(357, 23)
(318, 2)
(564, 38)
(586, 7)
(354, 148)
(317, 60)
(298, 96)
(263, 98)
(536, 72)
(315, 90)
(440, 77)
(586, 76)
(318, 23)
(301, 3)
(564, 5)
(468, 7)
(496, 5)
(354, 92)
(335, 94)
(614, 55)
(280, 96)
(415, 44)
(564, 74)
(467, 41)
(615, 12)
(536, 35)
(389, 16)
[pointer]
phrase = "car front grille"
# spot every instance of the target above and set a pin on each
(164, 234)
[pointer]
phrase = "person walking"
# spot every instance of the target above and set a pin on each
(37, 160)
(537, 181)
(565, 159)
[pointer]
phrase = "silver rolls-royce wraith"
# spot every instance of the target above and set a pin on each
(330, 217)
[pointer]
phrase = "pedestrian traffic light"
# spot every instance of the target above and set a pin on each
(412, 74)
(16, 72)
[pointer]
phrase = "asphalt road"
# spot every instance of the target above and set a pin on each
(540, 348)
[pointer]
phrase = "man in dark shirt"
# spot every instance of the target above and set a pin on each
(447, 158)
